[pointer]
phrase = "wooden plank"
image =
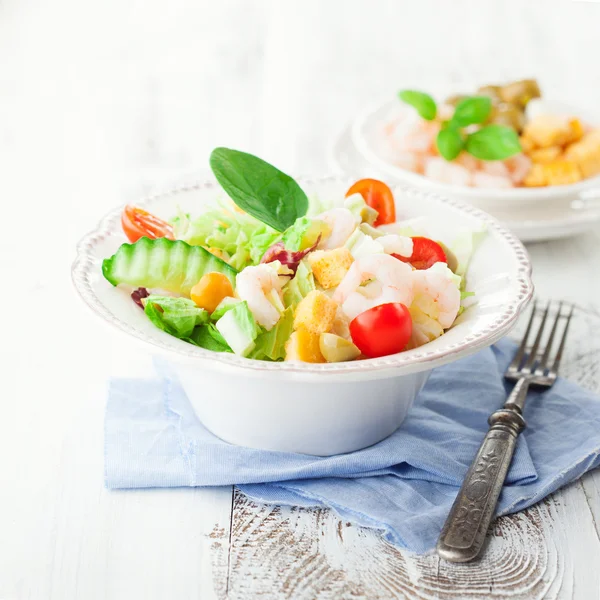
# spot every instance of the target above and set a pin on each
(283, 552)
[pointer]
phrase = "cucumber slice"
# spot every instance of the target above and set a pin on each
(171, 265)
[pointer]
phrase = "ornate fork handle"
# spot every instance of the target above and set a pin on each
(463, 535)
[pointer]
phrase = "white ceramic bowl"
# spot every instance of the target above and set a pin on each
(319, 409)
(514, 205)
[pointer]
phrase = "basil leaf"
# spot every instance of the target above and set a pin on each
(259, 188)
(424, 103)
(472, 111)
(493, 142)
(449, 142)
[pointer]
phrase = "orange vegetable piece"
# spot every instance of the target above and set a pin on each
(210, 291)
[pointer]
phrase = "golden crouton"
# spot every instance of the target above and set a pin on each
(548, 130)
(536, 176)
(545, 155)
(330, 266)
(315, 313)
(586, 153)
(558, 172)
(576, 130)
(527, 145)
(304, 345)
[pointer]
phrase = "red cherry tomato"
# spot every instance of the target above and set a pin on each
(378, 196)
(425, 254)
(382, 330)
(137, 223)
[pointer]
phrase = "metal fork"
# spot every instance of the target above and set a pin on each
(463, 535)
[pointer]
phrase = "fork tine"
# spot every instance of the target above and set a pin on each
(554, 369)
(534, 349)
(521, 351)
(543, 364)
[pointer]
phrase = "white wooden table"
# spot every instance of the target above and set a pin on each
(101, 101)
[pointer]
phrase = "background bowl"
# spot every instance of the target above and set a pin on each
(513, 207)
(319, 409)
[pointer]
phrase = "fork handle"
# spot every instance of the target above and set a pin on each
(463, 535)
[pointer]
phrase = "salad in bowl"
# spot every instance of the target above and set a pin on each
(302, 316)
(268, 275)
(500, 137)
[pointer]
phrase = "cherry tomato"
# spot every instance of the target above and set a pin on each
(137, 223)
(382, 330)
(425, 254)
(378, 196)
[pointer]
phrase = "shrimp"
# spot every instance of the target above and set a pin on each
(497, 168)
(447, 172)
(342, 223)
(389, 280)
(396, 244)
(518, 167)
(260, 287)
(436, 294)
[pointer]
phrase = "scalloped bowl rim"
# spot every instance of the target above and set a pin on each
(401, 363)
(516, 194)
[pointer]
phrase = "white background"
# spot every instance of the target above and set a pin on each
(101, 101)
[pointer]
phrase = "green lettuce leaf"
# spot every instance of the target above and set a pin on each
(304, 234)
(208, 337)
(243, 238)
(239, 328)
(225, 305)
(302, 283)
(463, 248)
(176, 316)
(270, 345)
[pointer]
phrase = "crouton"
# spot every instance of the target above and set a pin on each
(527, 145)
(548, 130)
(586, 153)
(329, 267)
(315, 313)
(545, 155)
(558, 172)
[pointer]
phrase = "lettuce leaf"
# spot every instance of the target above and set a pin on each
(176, 316)
(463, 248)
(270, 345)
(239, 329)
(240, 236)
(208, 337)
(299, 286)
(225, 305)
(304, 233)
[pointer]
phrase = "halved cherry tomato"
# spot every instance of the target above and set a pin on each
(378, 196)
(425, 254)
(382, 330)
(137, 223)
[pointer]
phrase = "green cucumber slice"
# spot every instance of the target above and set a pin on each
(171, 265)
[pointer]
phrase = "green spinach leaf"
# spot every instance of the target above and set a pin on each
(259, 188)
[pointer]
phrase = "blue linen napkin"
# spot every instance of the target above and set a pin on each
(403, 486)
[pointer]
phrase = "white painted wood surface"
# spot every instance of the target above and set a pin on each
(101, 101)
